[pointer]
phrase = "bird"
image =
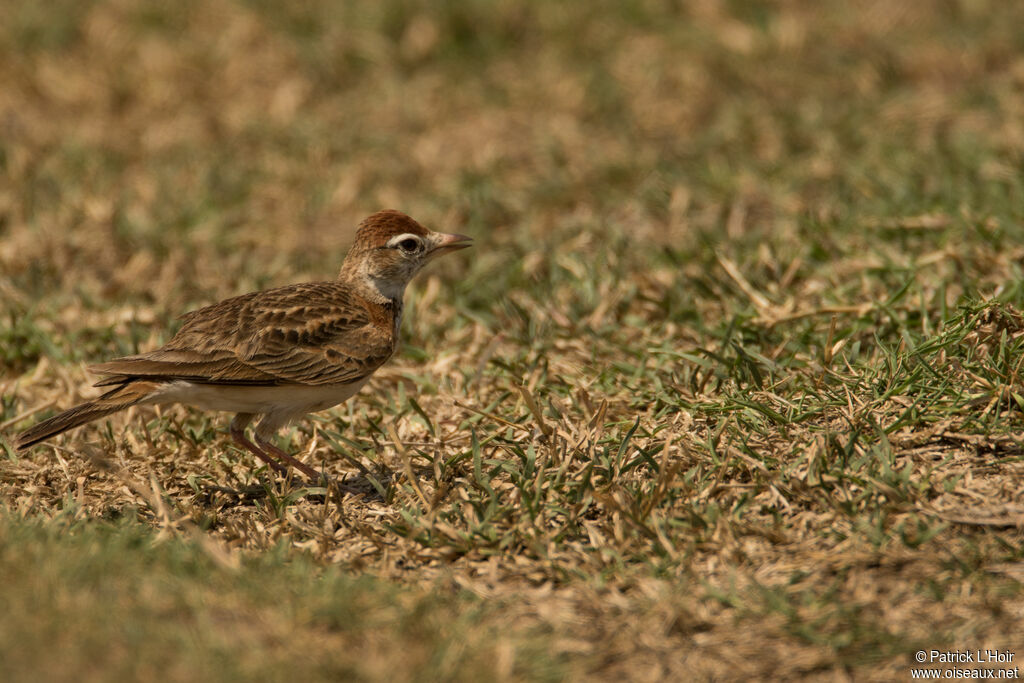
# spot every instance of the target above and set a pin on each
(277, 354)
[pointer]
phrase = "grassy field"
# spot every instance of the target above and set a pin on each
(730, 387)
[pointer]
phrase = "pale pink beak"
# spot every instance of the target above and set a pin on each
(445, 243)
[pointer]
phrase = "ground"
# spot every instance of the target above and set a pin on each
(728, 388)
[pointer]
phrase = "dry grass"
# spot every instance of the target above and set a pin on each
(729, 388)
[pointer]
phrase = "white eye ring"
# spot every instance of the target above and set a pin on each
(407, 242)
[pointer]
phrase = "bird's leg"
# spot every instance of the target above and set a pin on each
(316, 477)
(285, 457)
(267, 427)
(238, 425)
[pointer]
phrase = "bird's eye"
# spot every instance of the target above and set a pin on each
(409, 245)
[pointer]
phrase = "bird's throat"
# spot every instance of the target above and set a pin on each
(383, 290)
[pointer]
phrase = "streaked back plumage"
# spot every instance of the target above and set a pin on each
(280, 353)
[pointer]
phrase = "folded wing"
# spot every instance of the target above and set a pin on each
(310, 334)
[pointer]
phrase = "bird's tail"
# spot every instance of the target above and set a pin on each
(119, 398)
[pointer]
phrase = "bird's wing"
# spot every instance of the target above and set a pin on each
(311, 334)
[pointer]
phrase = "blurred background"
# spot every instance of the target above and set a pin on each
(723, 242)
(191, 150)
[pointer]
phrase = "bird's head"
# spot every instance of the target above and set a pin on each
(390, 248)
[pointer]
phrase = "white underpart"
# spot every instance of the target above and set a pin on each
(280, 404)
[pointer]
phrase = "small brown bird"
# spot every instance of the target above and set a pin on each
(280, 353)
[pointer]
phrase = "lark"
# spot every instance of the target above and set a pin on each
(277, 354)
